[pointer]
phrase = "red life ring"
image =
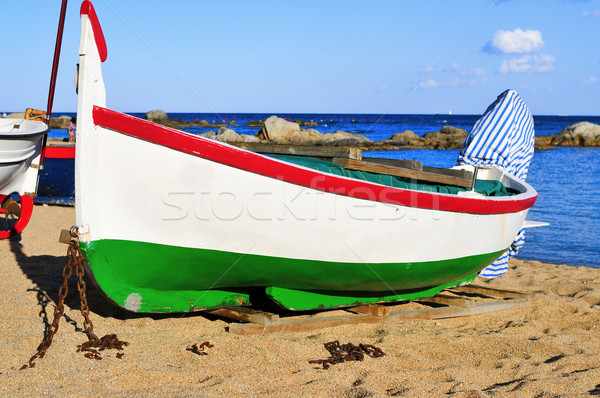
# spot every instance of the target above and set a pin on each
(26, 208)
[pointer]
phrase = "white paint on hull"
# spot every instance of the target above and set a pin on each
(20, 147)
(149, 193)
(127, 188)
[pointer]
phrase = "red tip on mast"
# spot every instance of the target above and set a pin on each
(59, 35)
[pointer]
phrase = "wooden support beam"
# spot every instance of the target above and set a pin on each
(308, 324)
(450, 172)
(416, 165)
(449, 300)
(302, 150)
(248, 315)
(371, 309)
(403, 172)
(490, 292)
(404, 163)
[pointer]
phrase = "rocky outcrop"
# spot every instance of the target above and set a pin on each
(447, 138)
(281, 131)
(228, 135)
(406, 139)
(61, 122)
(303, 123)
(201, 123)
(161, 117)
(542, 143)
(157, 116)
(303, 137)
(211, 135)
(580, 134)
(343, 138)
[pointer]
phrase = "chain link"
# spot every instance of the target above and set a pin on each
(199, 349)
(347, 352)
(75, 258)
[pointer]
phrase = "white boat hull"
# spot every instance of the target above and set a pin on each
(173, 222)
(20, 146)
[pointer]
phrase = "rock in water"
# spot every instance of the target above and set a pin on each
(228, 135)
(280, 130)
(580, 134)
(406, 138)
(157, 116)
(306, 137)
(344, 138)
(447, 138)
(211, 135)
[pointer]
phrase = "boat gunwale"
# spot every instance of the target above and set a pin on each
(41, 128)
(249, 161)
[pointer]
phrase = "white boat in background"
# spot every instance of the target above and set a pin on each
(20, 147)
(172, 222)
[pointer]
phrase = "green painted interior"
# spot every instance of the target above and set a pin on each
(176, 279)
(484, 187)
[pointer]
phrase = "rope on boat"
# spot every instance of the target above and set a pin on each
(94, 344)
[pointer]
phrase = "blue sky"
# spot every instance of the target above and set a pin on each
(427, 56)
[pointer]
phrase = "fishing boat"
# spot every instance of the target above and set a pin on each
(20, 148)
(172, 222)
(57, 179)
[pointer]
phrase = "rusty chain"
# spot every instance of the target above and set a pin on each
(94, 344)
(74, 253)
(199, 349)
(347, 352)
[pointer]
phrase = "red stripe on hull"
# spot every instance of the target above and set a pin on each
(255, 163)
(60, 152)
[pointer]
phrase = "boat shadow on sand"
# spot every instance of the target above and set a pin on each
(45, 271)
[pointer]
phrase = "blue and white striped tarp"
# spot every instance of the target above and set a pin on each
(503, 137)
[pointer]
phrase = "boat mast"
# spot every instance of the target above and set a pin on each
(59, 35)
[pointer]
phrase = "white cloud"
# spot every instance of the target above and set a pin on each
(455, 76)
(517, 41)
(593, 13)
(473, 77)
(537, 63)
(430, 83)
(591, 79)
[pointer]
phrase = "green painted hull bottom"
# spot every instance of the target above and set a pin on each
(147, 277)
(298, 300)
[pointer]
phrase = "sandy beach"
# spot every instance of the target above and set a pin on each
(547, 347)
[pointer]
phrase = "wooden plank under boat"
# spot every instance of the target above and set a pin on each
(205, 225)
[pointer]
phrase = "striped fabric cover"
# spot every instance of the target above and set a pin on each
(503, 137)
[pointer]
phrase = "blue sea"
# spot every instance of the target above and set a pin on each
(567, 179)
